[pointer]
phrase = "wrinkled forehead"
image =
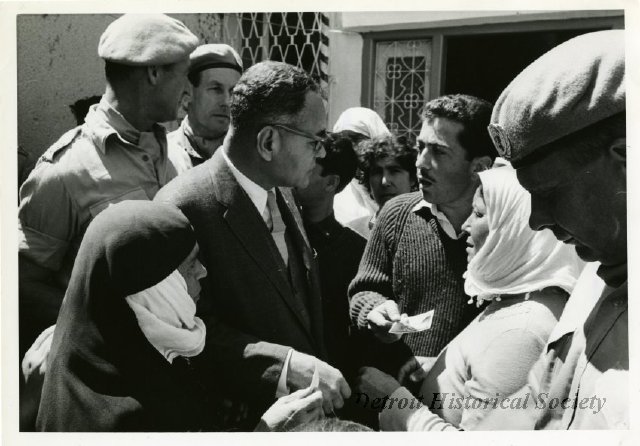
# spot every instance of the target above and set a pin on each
(224, 76)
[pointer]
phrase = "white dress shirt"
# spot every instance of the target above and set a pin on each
(258, 197)
(445, 224)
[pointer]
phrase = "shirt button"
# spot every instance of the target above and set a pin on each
(145, 158)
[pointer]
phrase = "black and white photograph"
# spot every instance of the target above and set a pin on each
(317, 218)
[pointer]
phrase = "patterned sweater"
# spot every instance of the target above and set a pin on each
(410, 259)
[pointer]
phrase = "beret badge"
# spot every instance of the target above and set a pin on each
(500, 140)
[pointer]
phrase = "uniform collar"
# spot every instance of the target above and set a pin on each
(198, 146)
(104, 121)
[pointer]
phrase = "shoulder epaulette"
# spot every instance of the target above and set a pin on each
(60, 144)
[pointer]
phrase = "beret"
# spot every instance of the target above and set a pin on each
(214, 55)
(146, 39)
(571, 87)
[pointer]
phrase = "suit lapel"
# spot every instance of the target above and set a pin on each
(247, 225)
(298, 228)
(294, 221)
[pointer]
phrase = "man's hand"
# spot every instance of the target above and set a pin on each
(376, 384)
(300, 407)
(381, 318)
(332, 384)
(415, 370)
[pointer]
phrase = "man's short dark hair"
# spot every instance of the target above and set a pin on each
(117, 72)
(340, 159)
(267, 92)
(397, 147)
(473, 113)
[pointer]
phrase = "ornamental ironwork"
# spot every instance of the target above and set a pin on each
(401, 84)
(297, 38)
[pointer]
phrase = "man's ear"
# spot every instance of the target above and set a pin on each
(332, 183)
(153, 74)
(618, 149)
(187, 95)
(480, 163)
(268, 143)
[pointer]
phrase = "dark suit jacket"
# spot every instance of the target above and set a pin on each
(248, 305)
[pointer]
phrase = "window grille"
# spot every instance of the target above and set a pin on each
(297, 38)
(401, 84)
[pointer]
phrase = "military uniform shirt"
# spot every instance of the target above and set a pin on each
(104, 161)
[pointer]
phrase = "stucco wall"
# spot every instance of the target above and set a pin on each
(58, 64)
(345, 72)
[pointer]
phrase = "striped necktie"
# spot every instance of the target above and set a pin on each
(276, 225)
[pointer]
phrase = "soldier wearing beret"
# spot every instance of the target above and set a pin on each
(119, 153)
(561, 123)
(214, 69)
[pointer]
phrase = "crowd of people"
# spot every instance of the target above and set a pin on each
(251, 269)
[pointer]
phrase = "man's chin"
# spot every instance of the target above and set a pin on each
(427, 196)
(589, 255)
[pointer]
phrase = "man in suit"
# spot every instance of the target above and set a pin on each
(263, 306)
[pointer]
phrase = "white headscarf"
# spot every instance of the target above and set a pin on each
(514, 258)
(166, 315)
(354, 202)
(361, 120)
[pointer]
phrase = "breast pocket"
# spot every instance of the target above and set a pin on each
(132, 194)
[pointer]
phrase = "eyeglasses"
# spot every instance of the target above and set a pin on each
(320, 140)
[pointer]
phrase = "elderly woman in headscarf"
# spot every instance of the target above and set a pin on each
(119, 359)
(355, 202)
(526, 277)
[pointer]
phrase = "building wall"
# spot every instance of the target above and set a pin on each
(385, 21)
(348, 27)
(58, 64)
(345, 72)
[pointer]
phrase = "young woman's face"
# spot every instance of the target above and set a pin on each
(192, 271)
(388, 179)
(477, 225)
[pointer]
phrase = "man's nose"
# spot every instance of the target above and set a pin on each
(540, 217)
(424, 159)
(202, 271)
(322, 152)
(226, 98)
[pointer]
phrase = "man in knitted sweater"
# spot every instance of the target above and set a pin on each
(415, 258)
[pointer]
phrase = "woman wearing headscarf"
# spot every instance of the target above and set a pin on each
(355, 202)
(108, 371)
(119, 358)
(526, 277)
